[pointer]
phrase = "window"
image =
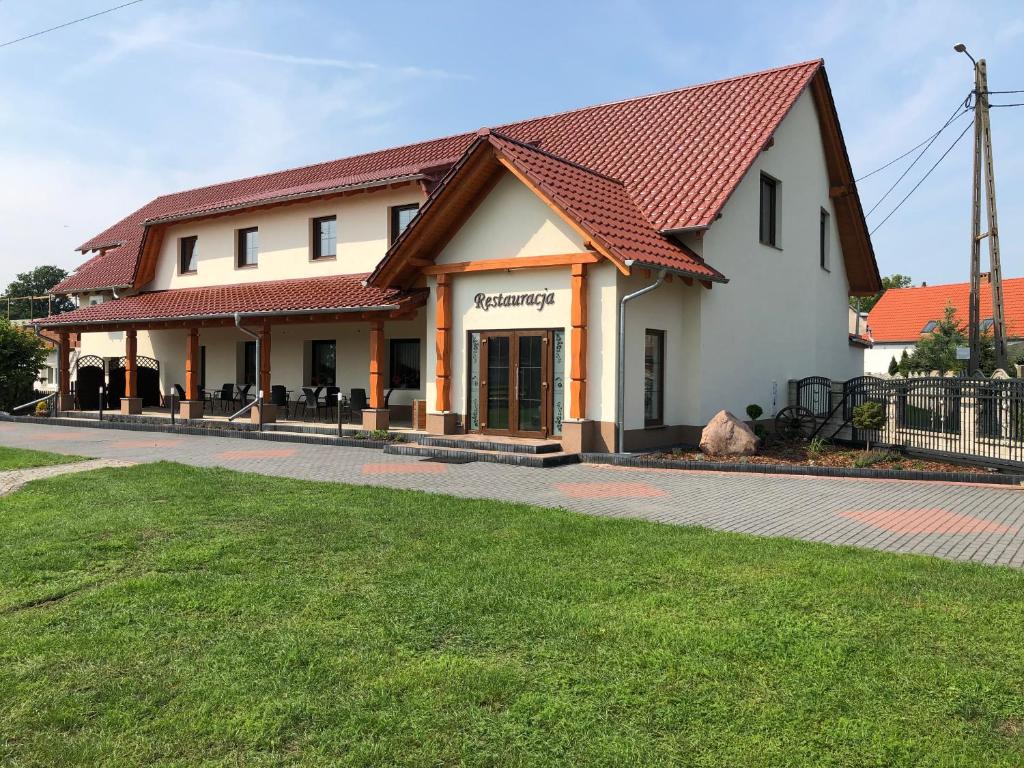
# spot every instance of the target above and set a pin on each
(248, 247)
(188, 255)
(322, 371)
(405, 364)
(986, 324)
(249, 366)
(401, 215)
(769, 210)
(654, 377)
(824, 239)
(325, 238)
(930, 326)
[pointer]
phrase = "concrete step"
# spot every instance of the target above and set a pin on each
(463, 455)
(532, 447)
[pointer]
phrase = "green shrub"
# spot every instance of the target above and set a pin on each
(817, 447)
(869, 415)
(894, 367)
(867, 458)
(43, 408)
(379, 434)
(754, 411)
(360, 436)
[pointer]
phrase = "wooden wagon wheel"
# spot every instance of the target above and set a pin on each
(795, 421)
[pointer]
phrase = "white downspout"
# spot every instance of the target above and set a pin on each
(620, 401)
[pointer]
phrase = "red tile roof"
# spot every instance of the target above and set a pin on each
(339, 292)
(902, 313)
(678, 155)
(602, 206)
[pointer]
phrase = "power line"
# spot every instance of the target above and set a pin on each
(1019, 104)
(912, 191)
(990, 92)
(959, 111)
(916, 146)
(69, 23)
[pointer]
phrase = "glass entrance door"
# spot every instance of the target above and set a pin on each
(515, 383)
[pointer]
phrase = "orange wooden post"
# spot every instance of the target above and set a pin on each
(265, 362)
(578, 344)
(131, 377)
(192, 365)
(64, 373)
(443, 345)
(376, 365)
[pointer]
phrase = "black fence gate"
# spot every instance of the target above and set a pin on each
(815, 394)
(857, 391)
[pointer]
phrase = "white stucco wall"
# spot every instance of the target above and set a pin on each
(675, 309)
(285, 235)
(876, 359)
(781, 316)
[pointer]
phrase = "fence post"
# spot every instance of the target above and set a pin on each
(791, 392)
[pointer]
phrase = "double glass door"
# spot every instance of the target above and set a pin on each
(515, 383)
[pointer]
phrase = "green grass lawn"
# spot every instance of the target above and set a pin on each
(20, 458)
(169, 615)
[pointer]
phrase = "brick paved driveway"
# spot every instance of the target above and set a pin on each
(957, 521)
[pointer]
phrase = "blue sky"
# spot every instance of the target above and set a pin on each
(98, 118)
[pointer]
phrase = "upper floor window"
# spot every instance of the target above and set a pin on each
(248, 247)
(824, 239)
(769, 228)
(401, 215)
(930, 326)
(325, 237)
(986, 325)
(188, 255)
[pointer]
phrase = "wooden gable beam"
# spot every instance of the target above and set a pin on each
(522, 262)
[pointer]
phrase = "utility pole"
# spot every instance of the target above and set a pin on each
(983, 164)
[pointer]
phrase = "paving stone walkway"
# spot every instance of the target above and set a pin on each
(959, 521)
(12, 479)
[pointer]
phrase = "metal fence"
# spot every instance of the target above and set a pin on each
(954, 417)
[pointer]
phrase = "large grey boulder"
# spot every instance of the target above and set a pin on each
(725, 435)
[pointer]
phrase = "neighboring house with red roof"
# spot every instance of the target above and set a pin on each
(484, 273)
(899, 319)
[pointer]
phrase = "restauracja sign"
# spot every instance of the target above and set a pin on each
(486, 301)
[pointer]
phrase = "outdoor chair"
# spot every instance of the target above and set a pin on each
(279, 397)
(243, 394)
(225, 395)
(179, 392)
(358, 401)
(331, 397)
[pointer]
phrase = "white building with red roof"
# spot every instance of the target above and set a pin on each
(903, 315)
(482, 277)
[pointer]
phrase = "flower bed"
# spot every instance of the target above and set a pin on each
(801, 453)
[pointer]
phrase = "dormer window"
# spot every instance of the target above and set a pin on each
(401, 215)
(930, 326)
(986, 324)
(188, 255)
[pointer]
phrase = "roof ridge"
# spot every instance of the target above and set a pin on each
(961, 283)
(559, 158)
(694, 86)
(461, 134)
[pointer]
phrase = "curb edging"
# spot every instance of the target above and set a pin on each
(621, 460)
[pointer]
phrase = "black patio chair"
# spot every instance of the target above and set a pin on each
(224, 395)
(358, 401)
(279, 397)
(179, 392)
(331, 397)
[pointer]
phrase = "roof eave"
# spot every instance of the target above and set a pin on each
(219, 210)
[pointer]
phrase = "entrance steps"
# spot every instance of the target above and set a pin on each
(484, 443)
(462, 450)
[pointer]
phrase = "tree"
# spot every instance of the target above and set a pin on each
(904, 368)
(894, 367)
(22, 354)
(37, 282)
(869, 416)
(936, 351)
(891, 281)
